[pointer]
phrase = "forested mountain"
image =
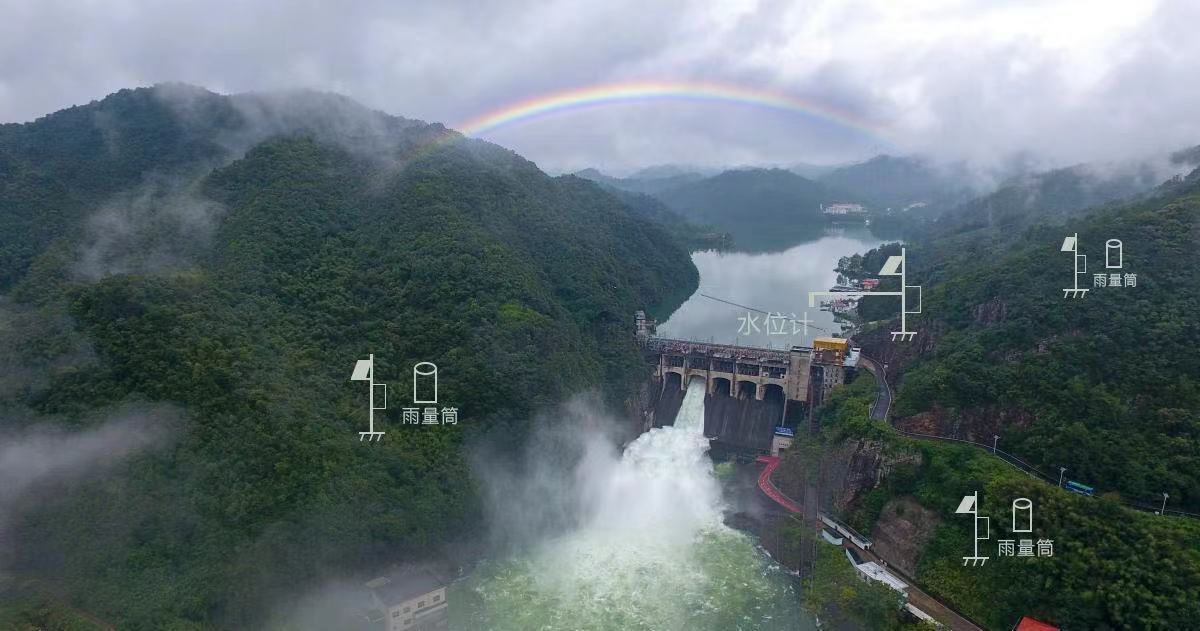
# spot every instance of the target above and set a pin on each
(690, 234)
(1110, 371)
(812, 171)
(1107, 386)
(661, 171)
(229, 258)
(648, 182)
(896, 182)
(758, 206)
(1050, 196)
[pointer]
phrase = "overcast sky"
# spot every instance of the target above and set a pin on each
(1068, 80)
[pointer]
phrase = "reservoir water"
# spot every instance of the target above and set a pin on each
(651, 550)
(774, 282)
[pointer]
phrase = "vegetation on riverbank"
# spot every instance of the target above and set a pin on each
(1112, 567)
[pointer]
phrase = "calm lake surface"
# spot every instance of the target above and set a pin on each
(775, 282)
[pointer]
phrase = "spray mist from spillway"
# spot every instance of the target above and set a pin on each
(651, 552)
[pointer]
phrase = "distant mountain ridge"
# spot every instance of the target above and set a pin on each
(761, 208)
(642, 184)
(891, 181)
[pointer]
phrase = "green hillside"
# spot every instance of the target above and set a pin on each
(1107, 385)
(896, 181)
(761, 208)
(262, 276)
(1111, 568)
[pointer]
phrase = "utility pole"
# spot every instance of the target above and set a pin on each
(1163, 510)
(1061, 471)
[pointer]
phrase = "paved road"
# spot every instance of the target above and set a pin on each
(768, 487)
(918, 598)
(883, 397)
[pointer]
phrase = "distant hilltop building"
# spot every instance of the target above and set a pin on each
(844, 210)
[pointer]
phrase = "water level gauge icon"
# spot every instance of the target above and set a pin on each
(894, 266)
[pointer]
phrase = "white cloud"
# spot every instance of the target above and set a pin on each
(1069, 80)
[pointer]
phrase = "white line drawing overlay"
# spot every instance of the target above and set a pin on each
(425, 382)
(1022, 515)
(1071, 244)
(364, 370)
(1114, 254)
(970, 506)
(894, 266)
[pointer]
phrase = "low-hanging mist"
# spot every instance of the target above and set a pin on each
(45, 455)
(639, 544)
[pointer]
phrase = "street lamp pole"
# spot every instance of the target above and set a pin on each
(995, 439)
(1163, 511)
(1061, 471)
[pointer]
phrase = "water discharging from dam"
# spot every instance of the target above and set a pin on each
(651, 552)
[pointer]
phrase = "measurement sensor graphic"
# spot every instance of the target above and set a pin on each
(894, 266)
(970, 506)
(364, 370)
(1071, 244)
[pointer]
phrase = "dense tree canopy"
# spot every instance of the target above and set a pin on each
(268, 261)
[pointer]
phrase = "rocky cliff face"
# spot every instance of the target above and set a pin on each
(877, 344)
(847, 472)
(855, 469)
(901, 532)
(974, 424)
(991, 312)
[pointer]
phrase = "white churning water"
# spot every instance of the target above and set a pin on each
(651, 553)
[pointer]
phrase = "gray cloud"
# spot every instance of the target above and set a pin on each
(44, 454)
(151, 229)
(1066, 80)
(45, 457)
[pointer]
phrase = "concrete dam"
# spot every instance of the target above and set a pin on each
(749, 391)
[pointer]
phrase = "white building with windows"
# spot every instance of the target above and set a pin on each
(410, 601)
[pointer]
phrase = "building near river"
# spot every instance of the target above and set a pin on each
(834, 362)
(413, 600)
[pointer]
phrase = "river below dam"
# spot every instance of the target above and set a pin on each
(650, 550)
(652, 554)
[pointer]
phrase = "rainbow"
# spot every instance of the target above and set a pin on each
(642, 91)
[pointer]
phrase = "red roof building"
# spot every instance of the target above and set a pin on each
(1029, 624)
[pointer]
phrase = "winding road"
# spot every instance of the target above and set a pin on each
(883, 395)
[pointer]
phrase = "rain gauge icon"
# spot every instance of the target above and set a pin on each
(364, 370)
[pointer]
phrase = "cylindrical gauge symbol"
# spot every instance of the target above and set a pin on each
(1113, 253)
(1022, 511)
(425, 383)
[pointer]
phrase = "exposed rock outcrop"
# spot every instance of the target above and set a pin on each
(901, 532)
(974, 424)
(990, 312)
